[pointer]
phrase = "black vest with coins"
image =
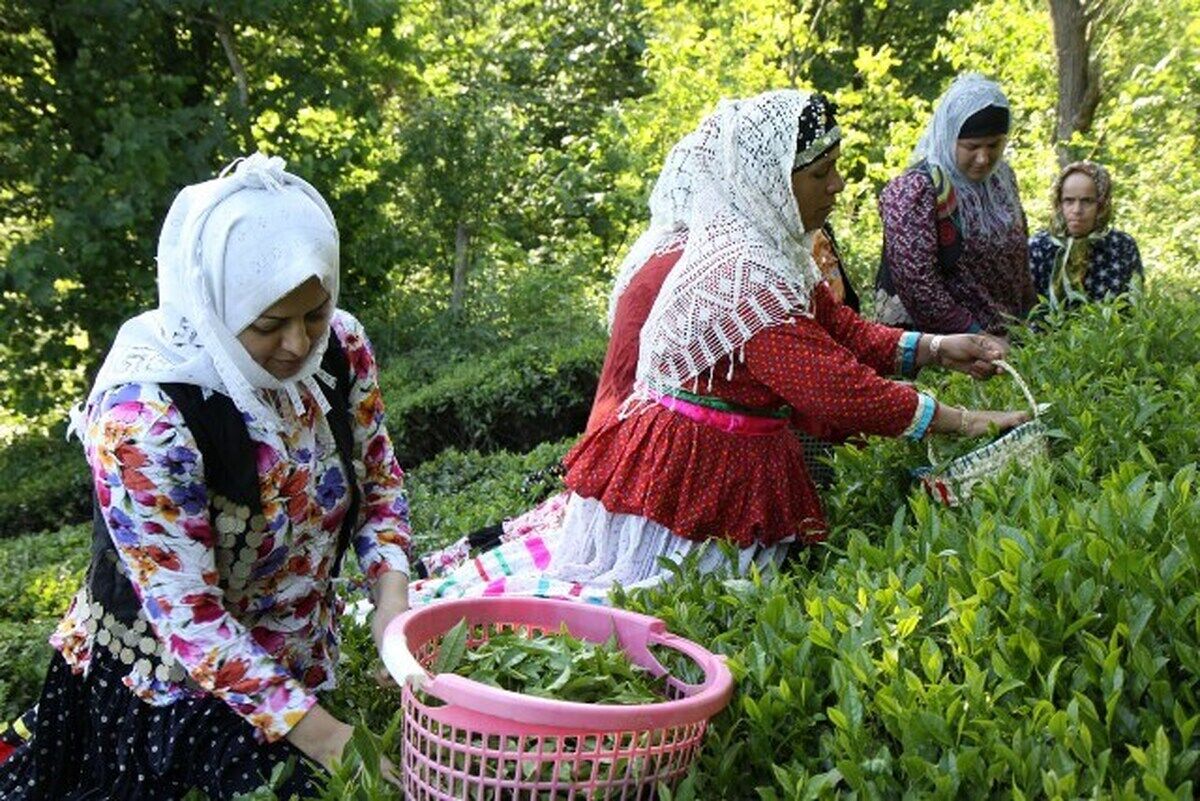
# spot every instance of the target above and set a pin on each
(231, 478)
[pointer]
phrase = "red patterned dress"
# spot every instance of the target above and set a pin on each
(705, 483)
(653, 483)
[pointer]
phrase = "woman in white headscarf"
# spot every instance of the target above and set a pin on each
(743, 342)
(236, 441)
(955, 252)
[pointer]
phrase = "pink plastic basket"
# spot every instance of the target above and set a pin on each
(487, 743)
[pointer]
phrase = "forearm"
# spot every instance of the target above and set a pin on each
(390, 594)
(320, 736)
(391, 589)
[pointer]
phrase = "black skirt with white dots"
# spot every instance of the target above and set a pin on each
(94, 739)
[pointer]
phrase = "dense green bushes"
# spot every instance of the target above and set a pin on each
(458, 492)
(43, 484)
(38, 575)
(1042, 641)
(526, 394)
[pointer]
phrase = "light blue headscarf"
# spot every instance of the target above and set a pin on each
(991, 206)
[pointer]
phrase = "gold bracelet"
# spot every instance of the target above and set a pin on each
(962, 422)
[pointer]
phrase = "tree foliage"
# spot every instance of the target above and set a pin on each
(526, 133)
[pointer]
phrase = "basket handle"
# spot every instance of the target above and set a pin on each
(400, 662)
(1021, 385)
(709, 662)
(1012, 371)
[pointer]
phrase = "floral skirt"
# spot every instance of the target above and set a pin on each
(94, 739)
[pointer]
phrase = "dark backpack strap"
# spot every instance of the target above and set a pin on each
(335, 364)
(230, 469)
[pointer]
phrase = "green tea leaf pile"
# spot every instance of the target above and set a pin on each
(550, 665)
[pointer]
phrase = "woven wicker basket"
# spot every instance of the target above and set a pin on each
(952, 482)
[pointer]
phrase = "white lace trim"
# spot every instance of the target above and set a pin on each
(597, 547)
(748, 263)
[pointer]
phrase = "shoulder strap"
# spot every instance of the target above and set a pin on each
(948, 218)
(220, 432)
(230, 467)
(337, 365)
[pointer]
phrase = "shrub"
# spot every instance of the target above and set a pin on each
(1040, 641)
(458, 492)
(43, 484)
(38, 575)
(524, 395)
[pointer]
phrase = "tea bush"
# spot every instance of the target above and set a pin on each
(38, 575)
(43, 484)
(1042, 641)
(526, 394)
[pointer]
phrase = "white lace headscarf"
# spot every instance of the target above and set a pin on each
(230, 248)
(747, 263)
(991, 206)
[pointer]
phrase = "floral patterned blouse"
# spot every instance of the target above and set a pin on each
(255, 626)
(1113, 263)
(989, 285)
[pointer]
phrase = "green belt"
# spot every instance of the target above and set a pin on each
(711, 402)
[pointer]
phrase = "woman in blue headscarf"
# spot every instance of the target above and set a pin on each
(954, 236)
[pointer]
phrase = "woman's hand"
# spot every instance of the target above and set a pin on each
(322, 738)
(975, 423)
(972, 354)
(391, 598)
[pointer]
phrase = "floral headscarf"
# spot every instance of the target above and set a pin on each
(1100, 177)
(1072, 262)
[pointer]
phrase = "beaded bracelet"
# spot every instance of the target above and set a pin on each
(935, 345)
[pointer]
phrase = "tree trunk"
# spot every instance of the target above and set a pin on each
(458, 287)
(226, 37)
(1078, 70)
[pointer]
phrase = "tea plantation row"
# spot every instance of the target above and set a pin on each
(1041, 642)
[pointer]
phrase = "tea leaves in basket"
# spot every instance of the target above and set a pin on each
(546, 665)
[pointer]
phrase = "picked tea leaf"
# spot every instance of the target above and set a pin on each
(557, 666)
(453, 647)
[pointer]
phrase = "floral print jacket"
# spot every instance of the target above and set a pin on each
(1113, 263)
(988, 286)
(255, 625)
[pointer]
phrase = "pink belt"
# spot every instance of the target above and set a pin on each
(746, 425)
